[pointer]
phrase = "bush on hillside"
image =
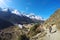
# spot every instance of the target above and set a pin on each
(34, 27)
(33, 30)
(23, 37)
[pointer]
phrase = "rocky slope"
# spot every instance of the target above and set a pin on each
(54, 22)
(7, 30)
(54, 19)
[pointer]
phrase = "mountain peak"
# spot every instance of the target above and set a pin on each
(16, 12)
(32, 16)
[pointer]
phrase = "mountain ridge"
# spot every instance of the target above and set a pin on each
(11, 14)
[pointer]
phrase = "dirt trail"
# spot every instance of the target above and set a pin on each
(49, 36)
(52, 36)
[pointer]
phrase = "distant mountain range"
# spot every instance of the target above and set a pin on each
(36, 18)
(16, 17)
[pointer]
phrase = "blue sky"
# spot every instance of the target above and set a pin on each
(42, 8)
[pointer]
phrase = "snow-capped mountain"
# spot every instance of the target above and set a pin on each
(36, 18)
(32, 16)
(14, 11)
(15, 16)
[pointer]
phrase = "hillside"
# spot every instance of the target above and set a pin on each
(33, 31)
(17, 26)
(54, 22)
(54, 19)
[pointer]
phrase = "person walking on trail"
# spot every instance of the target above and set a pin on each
(54, 29)
(50, 28)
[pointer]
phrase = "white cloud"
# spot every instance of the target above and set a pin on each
(32, 14)
(27, 8)
(9, 0)
(4, 3)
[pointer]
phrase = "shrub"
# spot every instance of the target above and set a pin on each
(33, 30)
(23, 37)
(34, 27)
